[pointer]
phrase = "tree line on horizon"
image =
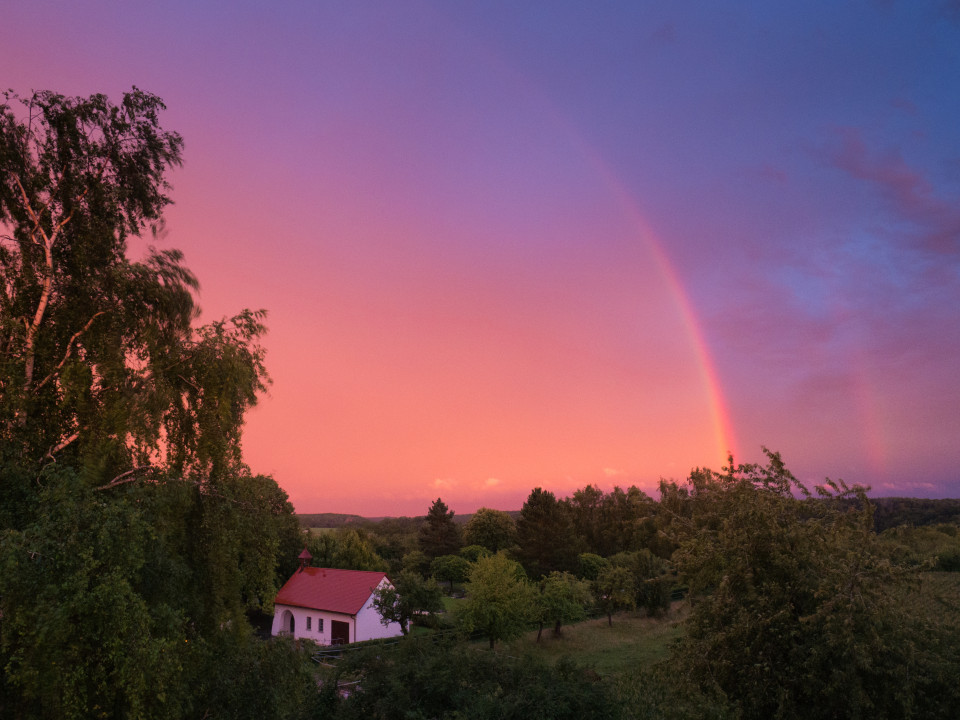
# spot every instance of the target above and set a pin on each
(136, 545)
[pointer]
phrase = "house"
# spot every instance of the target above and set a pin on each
(330, 607)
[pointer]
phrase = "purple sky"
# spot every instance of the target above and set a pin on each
(515, 244)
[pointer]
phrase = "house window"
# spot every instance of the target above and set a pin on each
(308, 622)
(319, 624)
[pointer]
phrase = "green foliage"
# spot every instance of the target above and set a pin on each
(798, 613)
(416, 561)
(345, 548)
(562, 599)
(499, 602)
(893, 512)
(439, 534)
(589, 566)
(101, 366)
(450, 569)
(131, 532)
(493, 529)
(239, 677)
(931, 546)
(424, 680)
(545, 534)
(608, 523)
(472, 553)
(409, 595)
(651, 583)
(614, 590)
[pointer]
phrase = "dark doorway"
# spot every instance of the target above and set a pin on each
(339, 633)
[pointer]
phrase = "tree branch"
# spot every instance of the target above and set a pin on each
(125, 477)
(66, 355)
(61, 445)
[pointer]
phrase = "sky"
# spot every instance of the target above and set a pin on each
(507, 245)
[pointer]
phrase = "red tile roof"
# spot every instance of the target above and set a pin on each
(340, 591)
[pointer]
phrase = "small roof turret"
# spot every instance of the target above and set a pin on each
(305, 557)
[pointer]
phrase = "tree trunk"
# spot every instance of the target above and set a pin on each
(540, 631)
(556, 629)
(610, 619)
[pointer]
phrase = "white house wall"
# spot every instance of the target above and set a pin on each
(300, 616)
(369, 625)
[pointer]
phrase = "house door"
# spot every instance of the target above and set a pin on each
(339, 633)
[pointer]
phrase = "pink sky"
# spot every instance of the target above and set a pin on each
(511, 246)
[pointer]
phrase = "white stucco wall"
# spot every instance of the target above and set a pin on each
(369, 625)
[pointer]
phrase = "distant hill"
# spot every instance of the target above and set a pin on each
(329, 520)
(336, 520)
(893, 511)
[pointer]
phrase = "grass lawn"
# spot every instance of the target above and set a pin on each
(632, 641)
(449, 603)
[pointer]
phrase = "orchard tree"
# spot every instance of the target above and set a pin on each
(450, 569)
(562, 599)
(614, 590)
(492, 529)
(439, 534)
(408, 596)
(499, 602)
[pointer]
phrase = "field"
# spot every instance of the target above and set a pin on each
(632, 641)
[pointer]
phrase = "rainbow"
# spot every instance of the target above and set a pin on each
(724, 437)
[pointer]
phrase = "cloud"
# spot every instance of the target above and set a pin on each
(909, 194)
(612, 472)
(444, 483)
(491, 482)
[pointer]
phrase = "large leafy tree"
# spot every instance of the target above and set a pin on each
(500, 599)
(450, 569)
(798, 613)
(130, 529)
(614, 590)
(409, 595)
(562, 599)
(493, 529)
(101, 365)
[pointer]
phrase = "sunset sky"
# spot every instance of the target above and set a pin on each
(515, 244)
